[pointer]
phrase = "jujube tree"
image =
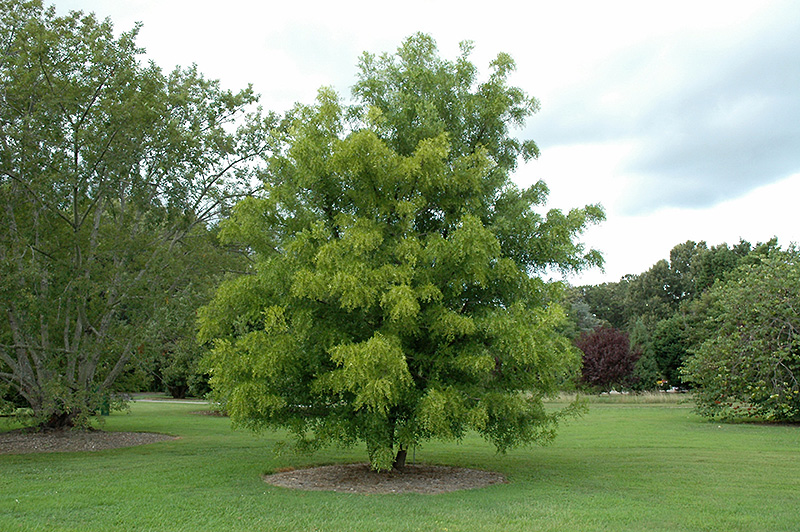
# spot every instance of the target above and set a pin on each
(394, 296)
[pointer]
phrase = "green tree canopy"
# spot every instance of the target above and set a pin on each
(109, 169)
(392, 299)
(749, 362)
(670, 344)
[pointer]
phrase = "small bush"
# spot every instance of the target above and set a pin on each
(608, 360)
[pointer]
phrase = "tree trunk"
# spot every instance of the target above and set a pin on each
(400, 459)
(178, 391)
(59, 421)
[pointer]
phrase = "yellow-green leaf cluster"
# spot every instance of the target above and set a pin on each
(394, 269)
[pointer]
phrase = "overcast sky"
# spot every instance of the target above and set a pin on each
(681, 118)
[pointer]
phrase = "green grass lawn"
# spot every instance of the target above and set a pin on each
(620, 467)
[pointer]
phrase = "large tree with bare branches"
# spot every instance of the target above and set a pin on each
(109, 168)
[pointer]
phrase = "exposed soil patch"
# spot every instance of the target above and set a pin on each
(70, 441)
(359, 478)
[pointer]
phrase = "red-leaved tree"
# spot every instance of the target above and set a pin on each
(608, 359)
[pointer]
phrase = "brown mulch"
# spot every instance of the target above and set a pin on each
(70, 441)
(359, 478)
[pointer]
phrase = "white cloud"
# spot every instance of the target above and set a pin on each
(631, 244)
(679, 117)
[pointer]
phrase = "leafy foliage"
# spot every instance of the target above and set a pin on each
(646, 373)
(391, 299)
(749, 363)
(109, 169)
(580, 318)
(608, 360)
(663, 308)
(670, 344)
(659, 292)
(607, 302)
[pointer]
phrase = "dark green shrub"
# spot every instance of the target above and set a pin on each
(749, 364)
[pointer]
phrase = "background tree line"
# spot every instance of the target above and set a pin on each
(678, 322)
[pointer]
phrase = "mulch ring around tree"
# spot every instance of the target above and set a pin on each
(359, 478)
(69, 441)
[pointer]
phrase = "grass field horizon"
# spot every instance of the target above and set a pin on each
(622, 466)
